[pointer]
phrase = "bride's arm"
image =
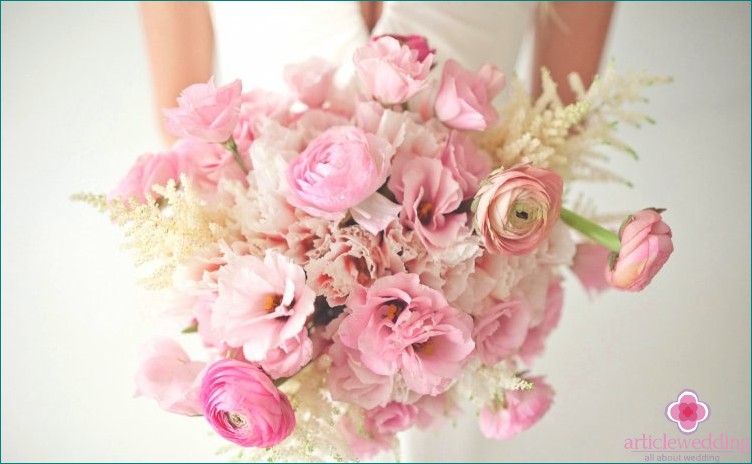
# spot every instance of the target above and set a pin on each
(570, 37)
(180, 45)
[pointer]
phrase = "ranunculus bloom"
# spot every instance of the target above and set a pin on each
(242, 404)
(205, 112)
(516, 208)
(390, 71)
(339, 169)
(590, 266)
(398, 325)
(645, 247)
(310, 80)
(261, 304)
(537, 335)
(149, 170)
(500, 330)
(519, 411)
(414, 42)
(465, 98)
(169, 376)
(430, 198)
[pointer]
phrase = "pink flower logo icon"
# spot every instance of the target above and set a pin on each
(687, 411)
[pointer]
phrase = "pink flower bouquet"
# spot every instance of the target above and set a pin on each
(361, 258)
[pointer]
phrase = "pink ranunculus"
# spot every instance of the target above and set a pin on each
(415, 42)
(350, 381)
(465, 98)
(149, 170)
(537, 335)
(261, 304)
(205, 112)
(169, 376)
(289, 357)
(430, 199)
(645, 247)
(242, 404)
(399, 326)
(519, 410)
(500, 330)
(339, 169)
(390, 71)
(310, 80)
(590, 265)
(516, 208)
(468, 164)
(256, 106)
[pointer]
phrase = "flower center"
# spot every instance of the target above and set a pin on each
(523, 216)
(237, 421)
(271, 302)
(425, 212)
(393, 309)
(426, 348)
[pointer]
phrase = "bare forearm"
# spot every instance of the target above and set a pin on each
(180, 45)
(570, 38)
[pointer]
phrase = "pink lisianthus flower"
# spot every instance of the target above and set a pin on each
(148, 171)
(205, 112)
(516, 208)
(518, 411)
(351, 381)
(399, 326)
(206, 164)
(391, 72)
(467, 163)
(261, 304)
(338, 170)
(590, 266)
(242, 404)
(289, 357)
(465, 98)
(169, 376)
(537, 335)
(310, 80)
(430, 198)
(645, 247)
(415, 42)
(256, 106)
(500, 330)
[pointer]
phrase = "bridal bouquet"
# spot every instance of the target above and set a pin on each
(361, 259)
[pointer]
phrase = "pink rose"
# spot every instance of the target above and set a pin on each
(519, 410)
(500, 330)
(399, 326)
(468, 164)
(590, 267)
(537, 335)
(391, 72)
(430, 198)
(351, 381)
(289, 357)
(645, 247)
(339, 169)
(465, 98)
(310, 80)
(149, 170)
(205, 112)
(414, 42)
(242, 404)
(261, 304)
(169, 376)
(516, 208)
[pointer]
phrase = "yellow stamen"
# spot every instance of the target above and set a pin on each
(425, 210)
(271, 302)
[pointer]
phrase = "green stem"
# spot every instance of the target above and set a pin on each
(230, 145)
(591, 230)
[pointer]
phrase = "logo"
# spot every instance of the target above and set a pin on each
(687, 411)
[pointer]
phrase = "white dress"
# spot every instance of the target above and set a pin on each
(255, 40)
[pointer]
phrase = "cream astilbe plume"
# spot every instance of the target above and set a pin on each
(164, 233)
(567, 138)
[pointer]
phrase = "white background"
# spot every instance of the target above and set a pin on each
(76, 112)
